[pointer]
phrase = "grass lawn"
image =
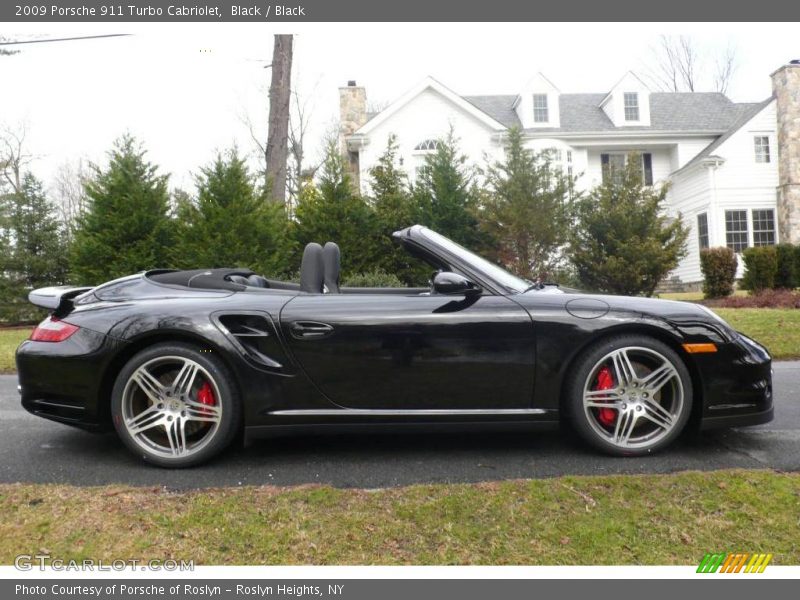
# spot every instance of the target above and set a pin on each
(693, 296)
(9, 340)
(639, 519)
(776, 328)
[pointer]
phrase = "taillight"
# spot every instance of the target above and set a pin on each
(53, 330)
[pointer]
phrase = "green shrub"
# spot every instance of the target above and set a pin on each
(761, 266)
(797, 264)
(375, 278)
(719, 271)
(786, 276)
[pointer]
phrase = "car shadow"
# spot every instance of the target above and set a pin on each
(362, 460)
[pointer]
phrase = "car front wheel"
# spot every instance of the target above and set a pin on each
(630, 395)
(175, 406)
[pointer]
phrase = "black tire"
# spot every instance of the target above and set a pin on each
(606, 436)
(213, 371)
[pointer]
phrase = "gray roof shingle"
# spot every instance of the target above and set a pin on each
(581, 113)
(746, 112)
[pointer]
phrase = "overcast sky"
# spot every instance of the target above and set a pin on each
(184, 90)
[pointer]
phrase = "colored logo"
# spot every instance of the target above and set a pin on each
(737, 562)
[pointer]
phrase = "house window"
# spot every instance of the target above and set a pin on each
(553, 155)
(736, 229)
(647, 168)
(702, 231)
(762, 148)
(540, 114)
(631, 106)
(764, 227)
(427, 146)
(614, 165)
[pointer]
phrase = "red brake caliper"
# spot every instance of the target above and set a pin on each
(605, 381)
(205, 395)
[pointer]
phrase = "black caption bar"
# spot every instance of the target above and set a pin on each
(294, 11)
(419, 589)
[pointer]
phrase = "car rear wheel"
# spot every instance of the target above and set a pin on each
(175, 406)
(630, 396)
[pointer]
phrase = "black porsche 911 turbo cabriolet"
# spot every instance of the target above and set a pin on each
(181, 362)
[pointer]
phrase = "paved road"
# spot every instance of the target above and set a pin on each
(36, 450)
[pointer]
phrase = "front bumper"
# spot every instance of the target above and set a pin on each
(737, 385)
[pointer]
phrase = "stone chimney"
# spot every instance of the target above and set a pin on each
(352, 115)
(786, 89)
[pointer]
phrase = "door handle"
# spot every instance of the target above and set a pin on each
(310, 330)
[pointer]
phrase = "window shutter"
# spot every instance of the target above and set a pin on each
(604, 166)
(647, 163)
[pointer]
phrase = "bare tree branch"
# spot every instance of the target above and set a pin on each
(13, 157)
(679, 65)
(298, 128)
(69, 193)
(687, 61)
(725, 67)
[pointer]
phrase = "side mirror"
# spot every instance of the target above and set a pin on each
(451, 284)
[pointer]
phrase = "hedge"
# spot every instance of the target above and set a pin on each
(719, 271)
(761, 267)
(786, 275)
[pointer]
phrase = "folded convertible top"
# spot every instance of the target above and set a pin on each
(206, 279)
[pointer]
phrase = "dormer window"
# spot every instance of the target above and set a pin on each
(540, 114)
(631, 106)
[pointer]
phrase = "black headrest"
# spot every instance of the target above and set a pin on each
(257, 281)
(331, 259)
(311, 269)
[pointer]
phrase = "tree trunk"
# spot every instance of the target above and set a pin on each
(278, 132)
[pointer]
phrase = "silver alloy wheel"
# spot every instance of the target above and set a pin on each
(646, 396)
(161, 410)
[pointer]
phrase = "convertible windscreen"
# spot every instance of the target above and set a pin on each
(511, 282)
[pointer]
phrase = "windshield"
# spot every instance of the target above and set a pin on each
(507, 280)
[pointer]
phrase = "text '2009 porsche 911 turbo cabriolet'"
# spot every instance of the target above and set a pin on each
(181, 362)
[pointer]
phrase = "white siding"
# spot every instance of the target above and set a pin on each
(593, 175)
(687, 149)
(689, 196)
(739, 184)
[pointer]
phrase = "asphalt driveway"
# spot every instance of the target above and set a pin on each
(36, 450)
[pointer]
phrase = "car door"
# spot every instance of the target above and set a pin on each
(411, 351)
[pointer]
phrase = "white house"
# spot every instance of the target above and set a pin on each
(720, 157)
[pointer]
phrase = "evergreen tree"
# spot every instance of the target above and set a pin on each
(126, 227)
(332, 211)
(446, 195)
(394, 209)
(230, 224)
(526, 210)
(38, 257)
(32, 249)
(622, 241)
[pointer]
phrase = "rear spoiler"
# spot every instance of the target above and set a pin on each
(55, 298)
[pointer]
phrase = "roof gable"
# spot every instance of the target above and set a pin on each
(627, 83)
(432, 84)
(747, 112)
